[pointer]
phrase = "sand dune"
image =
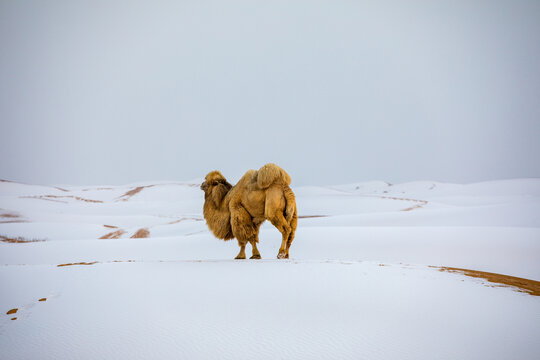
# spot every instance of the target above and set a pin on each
(377, 271)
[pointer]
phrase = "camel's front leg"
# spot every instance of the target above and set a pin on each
(242, 227)
(255, 251)
(242, 253)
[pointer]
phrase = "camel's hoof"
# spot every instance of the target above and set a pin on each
(240, 257)
(258, 256)
(282, 256)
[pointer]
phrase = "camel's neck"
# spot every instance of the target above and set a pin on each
(214, 204)
(216, 213)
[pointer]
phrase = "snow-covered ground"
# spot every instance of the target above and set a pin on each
(363, 281)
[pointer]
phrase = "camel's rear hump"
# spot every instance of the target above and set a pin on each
(272, 174)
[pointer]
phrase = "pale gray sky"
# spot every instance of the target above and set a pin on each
(110, 92)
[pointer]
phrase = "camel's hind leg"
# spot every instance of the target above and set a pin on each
(281, 224)
(273, 211)
(294, 222)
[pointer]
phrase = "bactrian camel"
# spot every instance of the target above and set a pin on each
(238, 211)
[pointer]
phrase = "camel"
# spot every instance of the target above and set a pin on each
(238, 211)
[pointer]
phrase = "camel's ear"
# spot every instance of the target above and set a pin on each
(226, 184)
(218, 193)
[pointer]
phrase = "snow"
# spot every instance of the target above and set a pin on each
(359, 284)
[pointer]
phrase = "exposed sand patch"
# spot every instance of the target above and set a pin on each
(197, 232)
(79, 263)
(61, 189)
(90, 263)
(420, 204)
(413, 207)
(56, 197)
(113, 235)
(132, 192)
(141, 233)
(81, 199)
(138, 189)
(18, 240)
(311, 216)
(183, 219)
(528, 286)
(11, 218)
(9, 215)
(14, 311)
(111, 226)
(41, 197)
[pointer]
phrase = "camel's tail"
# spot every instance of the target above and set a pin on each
(290, 208)
(271, 174)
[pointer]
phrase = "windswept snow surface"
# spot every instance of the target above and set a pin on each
(359, 283)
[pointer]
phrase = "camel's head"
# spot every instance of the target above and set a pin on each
(212, 180)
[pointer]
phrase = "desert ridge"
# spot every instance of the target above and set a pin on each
(372, 267)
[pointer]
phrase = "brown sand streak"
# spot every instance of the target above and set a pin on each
(11, 218)
(42, 197)
(183, 219)
(10, 215)
(311, 216)
(132, 192)
(140, 234)
(113, 235)
(18, 240)
(79, 263)
(421, 204)
(53, 197)
(528, 286)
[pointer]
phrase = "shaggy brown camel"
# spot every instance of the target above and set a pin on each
(238, 211)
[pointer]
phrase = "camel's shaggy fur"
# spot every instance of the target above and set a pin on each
(238, 211)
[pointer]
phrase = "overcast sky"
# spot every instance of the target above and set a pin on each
(111, 92)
